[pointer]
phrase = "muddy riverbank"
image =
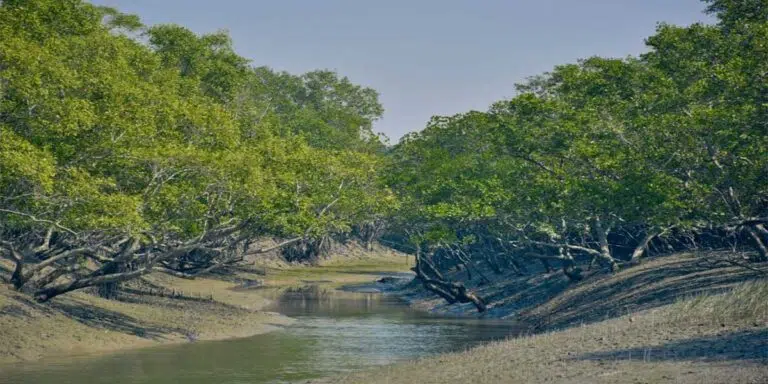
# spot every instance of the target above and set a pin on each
(671, 320)
(162, 309)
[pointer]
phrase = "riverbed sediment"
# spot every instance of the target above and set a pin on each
(673, 319)
(163, 309)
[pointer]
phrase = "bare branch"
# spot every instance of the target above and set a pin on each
(280, 245)
(37, 220)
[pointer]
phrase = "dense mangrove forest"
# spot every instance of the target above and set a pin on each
(128, 149)
(159, 187)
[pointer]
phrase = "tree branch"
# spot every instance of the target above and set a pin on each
(37, 220)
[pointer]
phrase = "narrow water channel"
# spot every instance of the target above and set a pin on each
(335, 332)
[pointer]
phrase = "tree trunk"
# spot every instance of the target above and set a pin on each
(109, 289)
(424, 263)
(760, 228)
(18, 278)
(46, 244)
(451, 292)
(605, 250)
(762, 250)
(569, 266)
(29, 273)
(46, 294)
(118, 265)
(51, 276)
(641, 248)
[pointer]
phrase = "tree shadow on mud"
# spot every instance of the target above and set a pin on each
(552, 301)
(114, 321)
(100, 318)
(751, 344)
(13, 310)
(643, 289)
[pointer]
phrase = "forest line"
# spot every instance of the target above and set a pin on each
(127, 150)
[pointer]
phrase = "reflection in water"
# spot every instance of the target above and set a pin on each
(336, 332)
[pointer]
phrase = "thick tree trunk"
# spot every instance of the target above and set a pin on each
(46, 244)
(99, 277)
(760, 228)
(605, 250)
(46, 294)
(18, 278)
(31, 270)
(451, 292)
(119, 265)
(51, 276)
(425, 265)
(642, 248)
(109, 289)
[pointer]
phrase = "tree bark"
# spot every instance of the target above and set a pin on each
(24, 277)
(118, 265)
(762, 250)
(422, 262)
(99, 276)
(451, 292)
(642, 248)
(46, 244)
(53, 275)
(17, 279)
(761, 229)
(605, 250)
(569, 266)
(46, 294)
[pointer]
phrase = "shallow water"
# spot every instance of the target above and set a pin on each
(335, 332)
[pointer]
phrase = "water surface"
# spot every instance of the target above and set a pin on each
(335, 332)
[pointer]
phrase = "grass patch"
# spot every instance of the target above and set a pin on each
(743, 304)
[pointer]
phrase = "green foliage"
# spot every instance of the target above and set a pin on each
(101, 133)
(674, 138)
(24, 165)
(179, 140)
(733, 12)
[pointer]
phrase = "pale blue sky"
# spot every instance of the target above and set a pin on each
(425, 57)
